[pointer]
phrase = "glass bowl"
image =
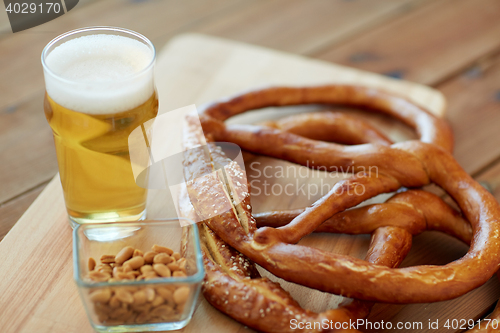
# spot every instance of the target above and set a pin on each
(132, 305)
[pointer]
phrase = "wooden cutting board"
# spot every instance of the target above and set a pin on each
(37, 292)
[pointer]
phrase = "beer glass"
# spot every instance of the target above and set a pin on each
(99, 88)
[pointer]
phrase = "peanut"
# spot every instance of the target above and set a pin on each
(162, 249)
(142, 318)
(124, 296)
(167, 295)
(114, 302)
(118, 313)
(142, 308)
(161, 311)
(179, 274)
(173, 266)
(130, 304)
(100, 295)
(162, 258)
(181, 295)
(134, 263)
(146, 268)
(150, 294)
(139, 297)
(108, 259)
(149, 256)
(162, 270)
(91, 264)
(122, 276)
(104, 268)
(117, 270)
(99, 276)
(124, 255)
(157, 301)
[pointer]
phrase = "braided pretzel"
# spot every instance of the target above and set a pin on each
(411, 117)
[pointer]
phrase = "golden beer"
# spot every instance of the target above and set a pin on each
(99, 89)
(94, 162)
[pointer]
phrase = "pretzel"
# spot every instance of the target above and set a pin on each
(234, 286)
(331, 127)
(407, 164)
(411, 164)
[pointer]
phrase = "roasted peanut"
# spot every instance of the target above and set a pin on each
(173, 266)
(114, 302)
(104, 268)
(142, 308)
(162, 270)
(117, 270)
(139, 297)
(91, 264)
(99, 276)
(142, 318)
(124, 296)
(150, 294)
(122, 276)
(124, 255)
(100, 295)
(162, 249)
(131, 304)
(167, 295)
(179, 274)
(161, 311)
(118, 313)
(134, 263)
(108, 259)
(157, 301)
(162, 258)
(146, 268)
(181, 295)
(149, 256)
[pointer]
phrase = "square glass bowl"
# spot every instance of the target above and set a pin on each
(169, 311)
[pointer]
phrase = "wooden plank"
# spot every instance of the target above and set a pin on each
(491, 179)
(26, 149)
(426, 45)
(11, 211)
(310, 25)
(53, 305)
(303, 26)
(19, 52)
(474, 113)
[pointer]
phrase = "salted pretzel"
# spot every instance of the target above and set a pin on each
(270, 308)
(408, 164)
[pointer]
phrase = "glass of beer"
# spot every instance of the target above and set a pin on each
(99, 88)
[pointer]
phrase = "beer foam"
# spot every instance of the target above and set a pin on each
(100, 74)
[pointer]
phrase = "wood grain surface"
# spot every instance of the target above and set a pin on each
(453, 45)
(47, 301)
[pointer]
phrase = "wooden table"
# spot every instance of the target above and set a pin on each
(452, 45)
